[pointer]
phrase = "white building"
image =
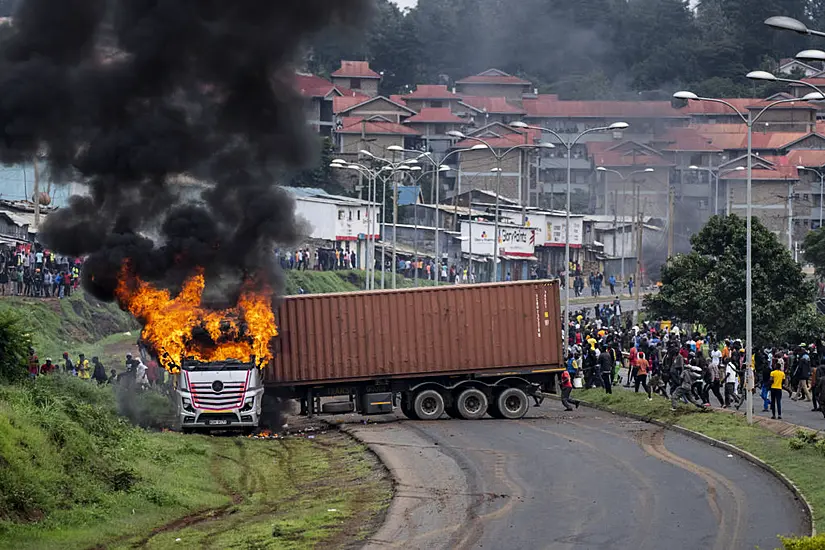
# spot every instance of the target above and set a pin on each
(336, 221)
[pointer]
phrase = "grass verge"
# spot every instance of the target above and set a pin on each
(75, 324)
(800, 460)
(322, 282)
(74, 475)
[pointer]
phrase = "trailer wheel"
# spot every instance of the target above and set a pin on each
(492, 408)
(513, 403)
(407, 408)
(428, 405)
(471, 404)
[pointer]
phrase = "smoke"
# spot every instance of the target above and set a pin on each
(178, 114)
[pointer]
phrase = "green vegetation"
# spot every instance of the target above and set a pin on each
(75, 475)
(707, 286)
(14, 348)
(799, 458)
(75, 324)
(322, 282)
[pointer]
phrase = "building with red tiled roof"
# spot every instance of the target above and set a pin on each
(432, 95)
(494, 109)
(374, 134)
(494, 83)
(357, 76)
(811, 158)
(378, 105)
(319, 95)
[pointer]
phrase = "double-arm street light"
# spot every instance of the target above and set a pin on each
(749, 120)
(416, 180)
(438, 167)
(568, 145)
(372, 190)
(498, 171)
(394, 166)
(624, 179)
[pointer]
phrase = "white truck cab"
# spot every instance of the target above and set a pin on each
(219, 395)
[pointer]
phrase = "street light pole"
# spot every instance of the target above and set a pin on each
(749, 121)
(499, 158)
(440, 167)
(569, 146)
(624, 201)
(821, 187)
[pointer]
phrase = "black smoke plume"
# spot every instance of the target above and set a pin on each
(178, 115)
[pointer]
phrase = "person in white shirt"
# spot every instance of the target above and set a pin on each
(716, 357)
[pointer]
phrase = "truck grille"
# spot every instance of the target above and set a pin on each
(218, 395)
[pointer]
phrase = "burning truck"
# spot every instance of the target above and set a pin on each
(466, 351)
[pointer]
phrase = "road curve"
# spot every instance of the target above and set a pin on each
(578, 480)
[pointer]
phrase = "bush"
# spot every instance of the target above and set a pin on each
(147, 408)
(14, 348)
(804, 543)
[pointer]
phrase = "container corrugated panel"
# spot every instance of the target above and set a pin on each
(416, 332)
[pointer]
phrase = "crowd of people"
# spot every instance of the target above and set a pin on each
(686, 367)
(136, 372)
(319, 259)
(35, 271)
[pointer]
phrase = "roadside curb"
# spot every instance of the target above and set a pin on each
(756, 461)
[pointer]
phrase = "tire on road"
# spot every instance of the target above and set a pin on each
(407, 408)
(471, 404)
(513, 403)
(428, 405)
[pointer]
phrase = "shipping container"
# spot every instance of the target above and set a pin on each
(443, 330)
(465, 350)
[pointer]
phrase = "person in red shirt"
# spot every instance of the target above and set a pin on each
(566, 389)
(47, 367)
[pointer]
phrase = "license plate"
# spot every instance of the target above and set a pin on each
(217, 422)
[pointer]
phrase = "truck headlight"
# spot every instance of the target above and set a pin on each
(187, 405)
(248, 404)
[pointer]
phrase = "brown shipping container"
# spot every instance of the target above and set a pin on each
(416, 332)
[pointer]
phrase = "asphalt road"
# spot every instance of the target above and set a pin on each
(578, 480)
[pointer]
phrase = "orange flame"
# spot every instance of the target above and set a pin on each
(170, 323)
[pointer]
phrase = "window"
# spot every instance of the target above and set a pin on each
(350, 215)
(358, 212)
(439, 129)
(340, 214)
(805, 197)
(436, 104)
(355, 83)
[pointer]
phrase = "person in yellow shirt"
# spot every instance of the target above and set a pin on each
(777, 377)
(83, 368)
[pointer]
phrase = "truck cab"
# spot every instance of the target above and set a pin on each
(219, 395)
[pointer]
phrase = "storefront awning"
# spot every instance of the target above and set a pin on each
(519, 258)
(478, 259)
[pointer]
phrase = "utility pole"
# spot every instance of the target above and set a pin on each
(615, 219)
(639, 229)
(36, 193)
(790, 216)
(670, 224)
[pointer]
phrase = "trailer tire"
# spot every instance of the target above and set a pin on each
(492, 409)
(407, 409)
(428, 405)
(513, 403)
(471, 404)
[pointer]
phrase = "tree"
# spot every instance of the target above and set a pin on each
(708, 285)
(814, 250)
(321, 174)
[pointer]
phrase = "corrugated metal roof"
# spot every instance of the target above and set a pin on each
(494, 105)
(434, 115)
(431, 91)
(357, 125)
(493, 76)
(356, 69)
(811, 158)
(781, 173)
(544, 108)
